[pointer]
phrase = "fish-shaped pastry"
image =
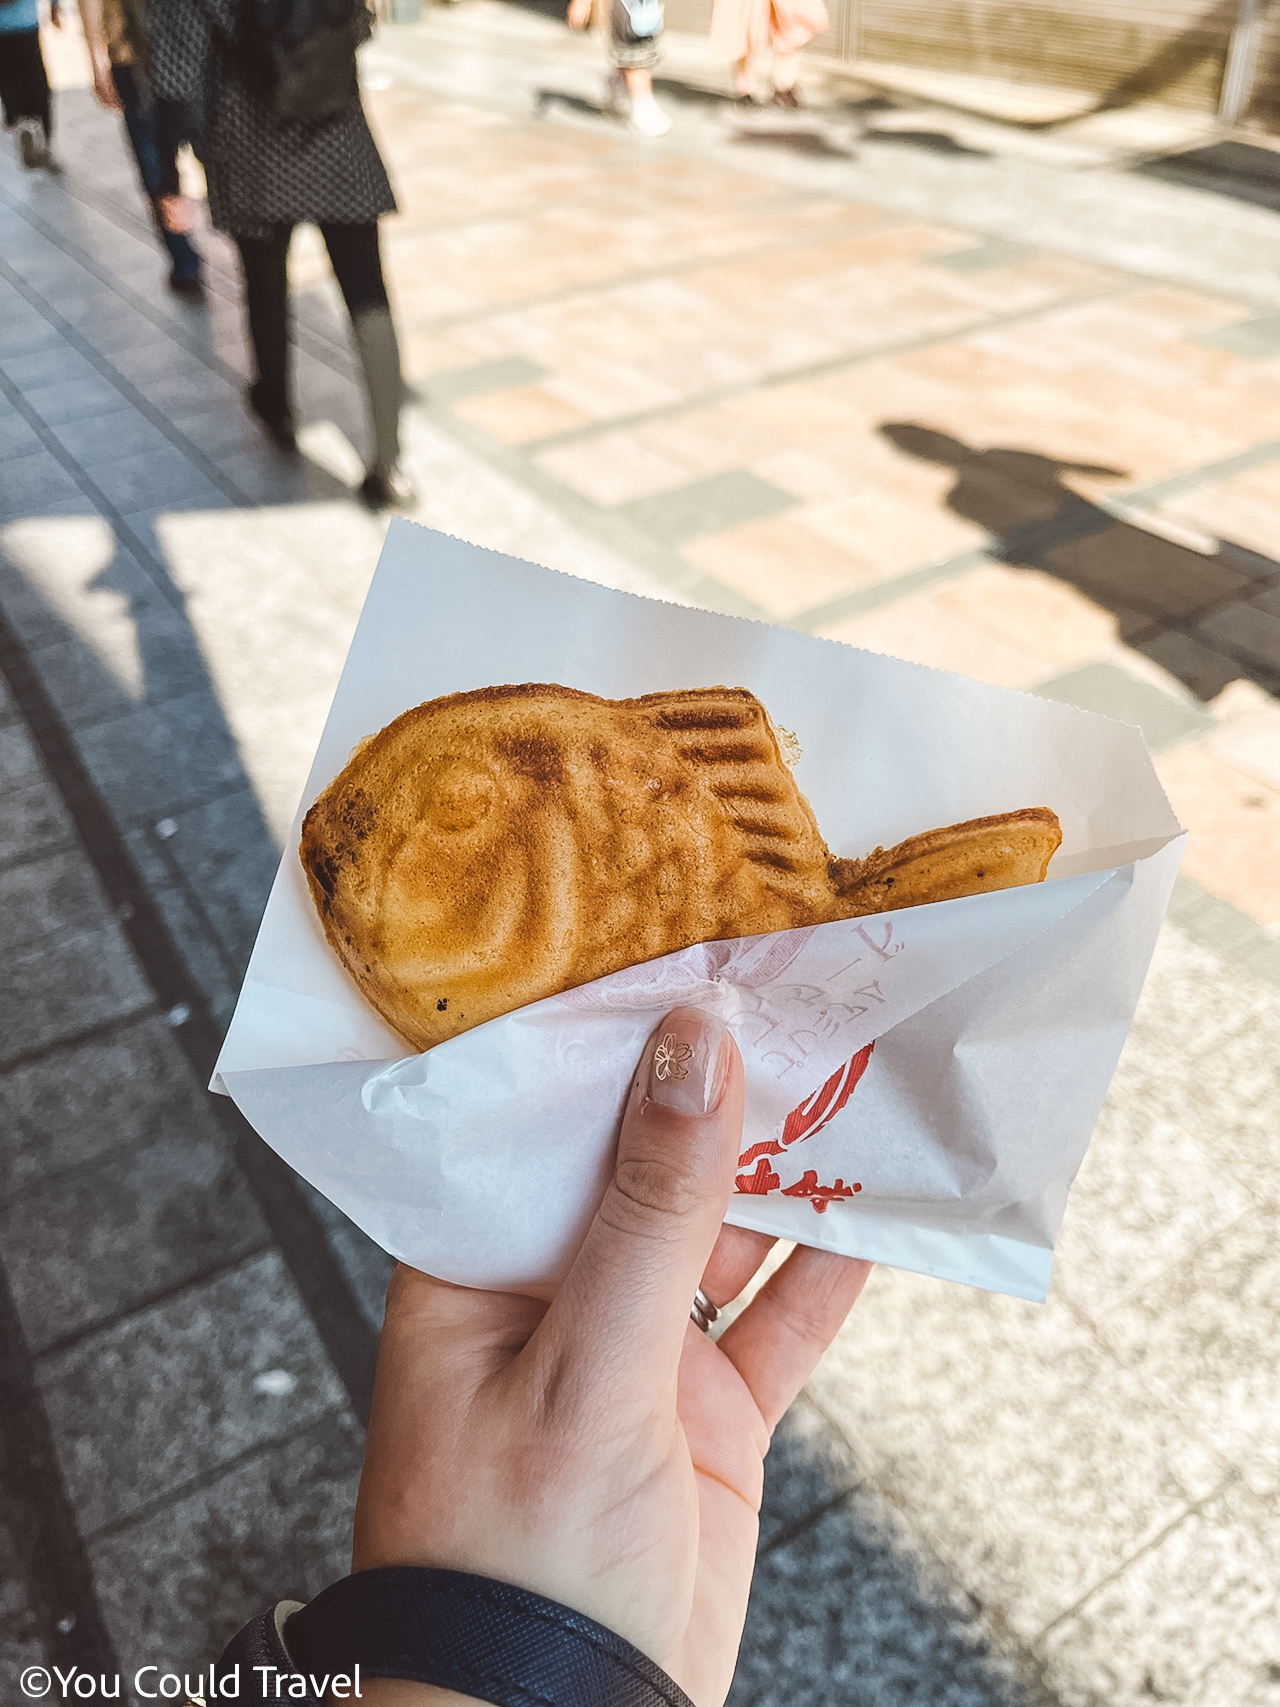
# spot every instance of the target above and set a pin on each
(491, 848)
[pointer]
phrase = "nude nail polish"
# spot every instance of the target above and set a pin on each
(688, 1062)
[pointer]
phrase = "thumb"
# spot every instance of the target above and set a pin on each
(621, 1315)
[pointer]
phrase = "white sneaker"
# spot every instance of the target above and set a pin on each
(648, 119)
(32, 144)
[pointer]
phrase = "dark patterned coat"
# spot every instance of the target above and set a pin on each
(262, 171)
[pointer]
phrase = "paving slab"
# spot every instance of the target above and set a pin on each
(1030, 1458)
(177, 1585)
(118, 1093)
(126, 1228)
(34, 821)
(1133, 1642)
(66, 985)
(850, 1611)
(182, 1373)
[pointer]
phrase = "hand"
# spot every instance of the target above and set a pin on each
(104, 87)
(579, 14)
(599, 1449)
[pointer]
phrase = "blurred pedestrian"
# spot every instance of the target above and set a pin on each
(743, 30)
(115, 33)
(24, 83)
(284, 142)
(635, 34)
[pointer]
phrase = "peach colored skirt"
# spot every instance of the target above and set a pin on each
(742, 27)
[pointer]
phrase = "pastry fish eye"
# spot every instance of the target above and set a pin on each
(459, 794)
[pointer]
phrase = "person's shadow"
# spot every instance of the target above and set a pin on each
(1207, 618)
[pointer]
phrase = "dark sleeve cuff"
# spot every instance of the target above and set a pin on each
(487, 1639)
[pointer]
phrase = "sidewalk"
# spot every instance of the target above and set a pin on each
(1000, 401)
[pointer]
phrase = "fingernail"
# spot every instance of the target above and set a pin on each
(689, 1062)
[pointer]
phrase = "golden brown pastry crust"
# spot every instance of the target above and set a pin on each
(492, 848)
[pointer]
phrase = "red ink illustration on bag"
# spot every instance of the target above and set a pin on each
(820, 1195)
(815, 1112)
(758, 1184)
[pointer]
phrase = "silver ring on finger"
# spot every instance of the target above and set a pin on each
(704, 1312)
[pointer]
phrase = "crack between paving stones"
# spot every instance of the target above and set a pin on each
(74, 1039)
(791, 1531)
(1193, 1509)
(68, 1342)
(714, 396)
(206, 1478)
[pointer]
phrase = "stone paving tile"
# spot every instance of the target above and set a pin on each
(1192, 1621)
(1031, 1460)
(810, 1465)
(1220, 1090)
(62, 986)
(182, 1373)
(107, 437)
(924, 631)
(160, 759)
(143, 652)
(57, 895)
(1116, 692)
(779, 564)
(18, 437)
(850, 1612)
(34, 820)
(176, 1585)
(123, 1091)
(527, 412)
(228, 863)
(102, 1240)
(164, 475)
(708, 506)
(1250, 631)
(613, 468)
(72, 399)
(1147, 1197)
(37, 484)
(1209, 1349)
(1234, 821)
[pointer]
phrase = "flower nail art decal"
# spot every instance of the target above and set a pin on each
(669, 1058)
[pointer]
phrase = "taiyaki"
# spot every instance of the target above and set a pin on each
(491, 848)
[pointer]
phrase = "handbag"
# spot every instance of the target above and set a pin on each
(312, 48)
(297, 58)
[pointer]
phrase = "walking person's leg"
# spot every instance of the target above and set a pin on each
(357, 265)
(635, 31)
(156, 157)
(24, 94)
(264, 265)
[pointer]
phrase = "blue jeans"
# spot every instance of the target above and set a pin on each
(157, 130)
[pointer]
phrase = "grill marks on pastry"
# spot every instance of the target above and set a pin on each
(492, 848)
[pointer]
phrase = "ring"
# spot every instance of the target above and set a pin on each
(704, 1311)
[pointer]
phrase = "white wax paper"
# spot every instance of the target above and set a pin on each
(921, 1085)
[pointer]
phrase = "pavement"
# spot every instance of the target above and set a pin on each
(989, 394)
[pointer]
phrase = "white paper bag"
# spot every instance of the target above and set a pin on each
(921, 1085)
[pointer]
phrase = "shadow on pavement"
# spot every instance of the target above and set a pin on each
(1195, 614)
(811, 143)
(1240, 170)
(846, 1610)
(931, 141)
